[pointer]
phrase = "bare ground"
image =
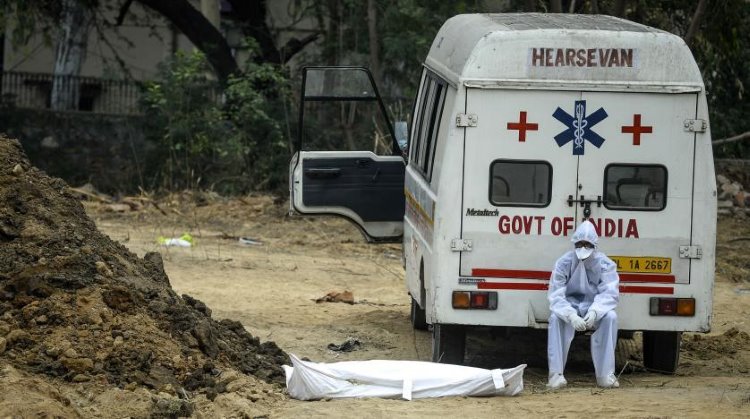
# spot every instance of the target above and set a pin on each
(92, 326)
(271, 288)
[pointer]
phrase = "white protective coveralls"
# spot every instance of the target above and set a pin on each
(577, 287)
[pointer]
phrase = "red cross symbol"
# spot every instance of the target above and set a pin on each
(637, 129)
(522, 127)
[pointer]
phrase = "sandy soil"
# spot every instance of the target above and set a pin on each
(271, 288)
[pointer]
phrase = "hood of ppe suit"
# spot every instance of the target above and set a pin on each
(585, 232)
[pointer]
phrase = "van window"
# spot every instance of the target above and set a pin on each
(635, 187)
(341, 110)
(426, 122)
(520, 183)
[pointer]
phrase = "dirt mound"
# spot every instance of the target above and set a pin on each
(711, 347)
(76, 305)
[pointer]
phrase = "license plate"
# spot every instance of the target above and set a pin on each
(643, 264)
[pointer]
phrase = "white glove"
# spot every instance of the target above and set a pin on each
(590, 319)
(577, 322)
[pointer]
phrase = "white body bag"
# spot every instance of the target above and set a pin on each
(393, 379)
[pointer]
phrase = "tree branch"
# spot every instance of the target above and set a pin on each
(695, 23)
(123, 11)
(115, 52)
(740, 137)
(594, 7)
(619, 8)
(295, 45)
(555, 6)
(204, 35)
(251, 14)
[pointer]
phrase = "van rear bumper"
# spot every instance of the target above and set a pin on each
(530, 308)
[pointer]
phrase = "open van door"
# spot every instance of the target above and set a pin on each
(347, 164)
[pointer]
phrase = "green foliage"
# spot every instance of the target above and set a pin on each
(212, 139)
(722, 49)
(254, 101)
(406, 28)
(26, 19)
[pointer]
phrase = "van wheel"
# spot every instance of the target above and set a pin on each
(418, 317)
(448, 343)
(661, 351)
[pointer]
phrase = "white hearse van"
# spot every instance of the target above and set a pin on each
(523, 126)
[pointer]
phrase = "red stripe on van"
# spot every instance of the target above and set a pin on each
(636, 289)
(511, 286)
(510, 273)
(666, 279)
(522, 274)
(629, 289)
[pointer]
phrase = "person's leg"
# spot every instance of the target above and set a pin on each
(559, 336)
(603, 343)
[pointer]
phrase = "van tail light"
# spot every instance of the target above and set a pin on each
(461, 299)
(480, 300)
(660, 306)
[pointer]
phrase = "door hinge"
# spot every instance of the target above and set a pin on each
(466, 120)
(695, 125)
(461, 245)
(691, 252)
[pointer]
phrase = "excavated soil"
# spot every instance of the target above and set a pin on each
(81, 308)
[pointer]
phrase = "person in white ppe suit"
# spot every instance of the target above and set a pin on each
(583, 294)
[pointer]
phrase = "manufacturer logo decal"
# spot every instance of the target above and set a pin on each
(473, 212)
(579, 127)
(469, 281)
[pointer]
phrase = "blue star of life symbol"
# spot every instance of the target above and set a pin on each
(579, 127)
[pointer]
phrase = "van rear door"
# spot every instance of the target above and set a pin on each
(644, 172)
(516, 186)
(538, 162)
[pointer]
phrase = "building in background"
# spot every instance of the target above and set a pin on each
(121, 53)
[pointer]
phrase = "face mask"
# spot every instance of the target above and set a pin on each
(583, 252)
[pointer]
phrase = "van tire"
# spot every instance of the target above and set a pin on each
(448, 343)
(418, 316)
(661, 351)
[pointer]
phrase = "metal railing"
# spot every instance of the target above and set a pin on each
(70, 93)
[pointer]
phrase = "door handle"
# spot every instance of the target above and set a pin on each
(323, 172)
(586, 204)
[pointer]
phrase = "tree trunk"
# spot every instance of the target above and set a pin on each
(595, 7)
(252, 15)
(530, 5)
(330, 19)
(572, 6)
(555, 6)
(71, 51)
(374, 45)
(619, 8)
(695, 23)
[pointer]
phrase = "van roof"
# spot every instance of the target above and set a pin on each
(528, 21)
(527, 49)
